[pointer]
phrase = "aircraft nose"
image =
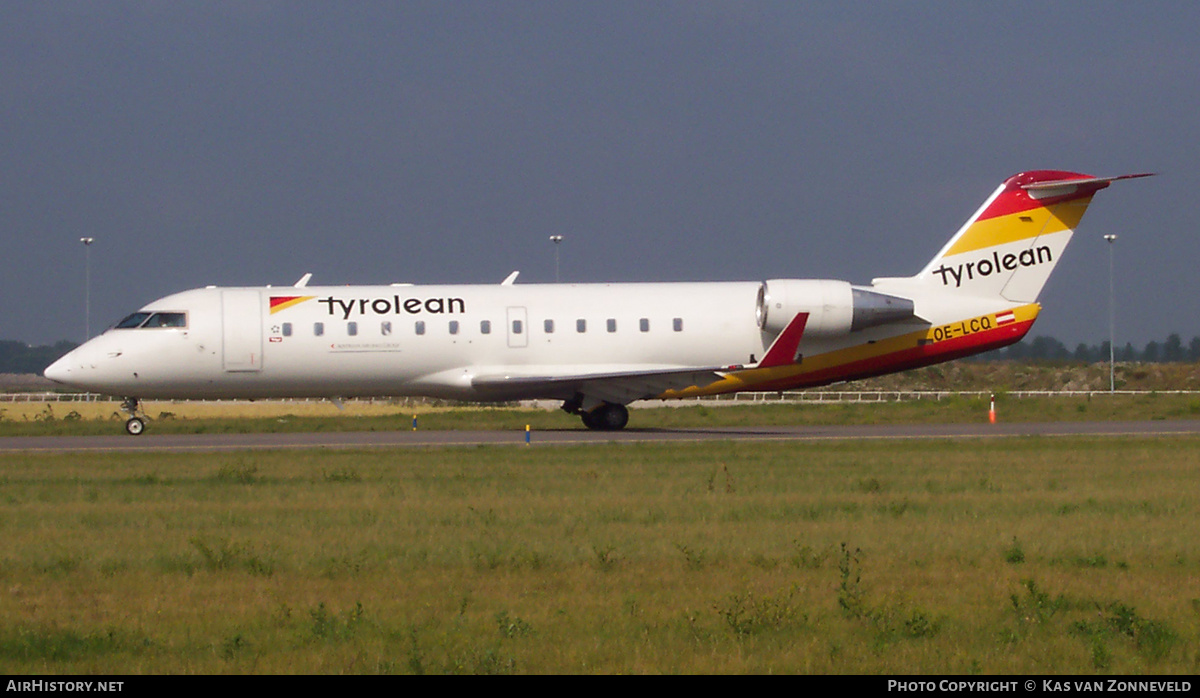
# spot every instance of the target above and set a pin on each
(59, 371)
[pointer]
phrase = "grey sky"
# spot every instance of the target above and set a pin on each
(371, 142)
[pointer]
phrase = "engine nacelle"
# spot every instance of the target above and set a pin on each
(833, 307)
(829, 304)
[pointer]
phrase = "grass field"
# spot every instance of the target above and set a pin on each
(1072, 555)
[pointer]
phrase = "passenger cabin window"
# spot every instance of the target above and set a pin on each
(454, 327)
(385, 328)
(518, 327)
(581, 326)
(548, 326)
(644, 324)
(420, 327)
(611, 324)
(677, 324)
(485, 327)
(318, 329)
(287, 329)
(352, 328)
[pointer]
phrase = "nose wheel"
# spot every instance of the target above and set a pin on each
(135, 425)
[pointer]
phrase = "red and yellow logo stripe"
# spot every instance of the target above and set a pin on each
(279, 303)
(1019, 214)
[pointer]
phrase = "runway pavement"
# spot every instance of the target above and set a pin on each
(409, 439)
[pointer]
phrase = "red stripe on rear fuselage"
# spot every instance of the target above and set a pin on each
(905, 359)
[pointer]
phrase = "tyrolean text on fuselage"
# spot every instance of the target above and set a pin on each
(392, 306)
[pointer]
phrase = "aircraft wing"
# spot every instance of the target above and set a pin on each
(620, 387)
(625, 386)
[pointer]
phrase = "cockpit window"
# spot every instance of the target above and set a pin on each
(134, 320)
(167, 320)
(153, 320)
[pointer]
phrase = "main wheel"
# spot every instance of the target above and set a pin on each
(616, 417)
(607, 417)
(135, 426)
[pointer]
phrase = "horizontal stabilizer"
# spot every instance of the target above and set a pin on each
(1087, 181)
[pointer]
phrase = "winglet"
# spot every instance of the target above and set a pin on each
(785, 349)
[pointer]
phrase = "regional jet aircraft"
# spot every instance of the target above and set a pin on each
(595, 347)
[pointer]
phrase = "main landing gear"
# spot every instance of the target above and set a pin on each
(135, 425)
(607, 416)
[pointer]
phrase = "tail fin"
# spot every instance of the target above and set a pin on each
(1011, 244)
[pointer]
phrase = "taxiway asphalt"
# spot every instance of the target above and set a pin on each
(418, 439)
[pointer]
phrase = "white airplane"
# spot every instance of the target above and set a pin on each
(596, 347)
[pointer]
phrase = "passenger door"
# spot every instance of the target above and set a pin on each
(241, 323)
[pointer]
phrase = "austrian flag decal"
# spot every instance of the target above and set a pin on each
(284, 302)
(1005, 318)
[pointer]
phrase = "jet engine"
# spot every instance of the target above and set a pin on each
(833, 307)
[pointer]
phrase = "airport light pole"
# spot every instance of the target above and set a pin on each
(556, 239)
(87, 287)
(1112, 381)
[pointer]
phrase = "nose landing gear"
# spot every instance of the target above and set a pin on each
(135, 425)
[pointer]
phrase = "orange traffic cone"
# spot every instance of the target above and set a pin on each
(992, 411)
